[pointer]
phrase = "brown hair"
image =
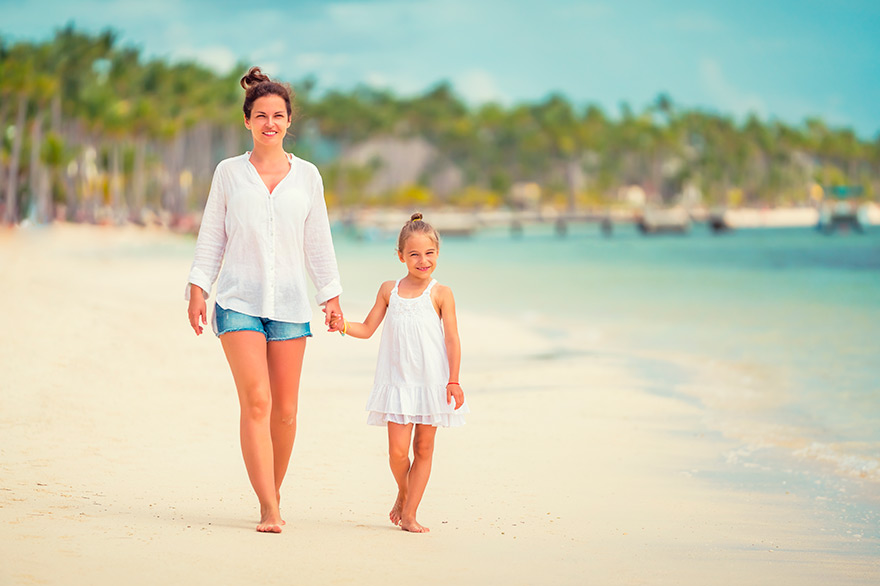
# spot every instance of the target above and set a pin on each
(257, 85)
(416, 225)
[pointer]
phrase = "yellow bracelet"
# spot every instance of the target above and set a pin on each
(344, 327)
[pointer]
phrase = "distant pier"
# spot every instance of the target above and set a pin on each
(383, 223)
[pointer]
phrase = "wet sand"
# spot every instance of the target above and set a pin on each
(120, 463)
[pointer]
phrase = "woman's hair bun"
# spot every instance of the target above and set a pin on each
(415, 216)
(253, 77)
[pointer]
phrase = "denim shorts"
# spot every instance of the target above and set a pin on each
(228, 320)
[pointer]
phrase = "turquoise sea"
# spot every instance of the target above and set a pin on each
(773, 333)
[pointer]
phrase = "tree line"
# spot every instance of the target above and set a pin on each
(93, 131)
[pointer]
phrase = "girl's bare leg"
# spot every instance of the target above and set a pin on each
(285, 360)
(398, 457)
(246, 354)
(417, 479)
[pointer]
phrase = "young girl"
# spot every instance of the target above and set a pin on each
(416, 384)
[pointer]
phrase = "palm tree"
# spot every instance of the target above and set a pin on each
(16, 72)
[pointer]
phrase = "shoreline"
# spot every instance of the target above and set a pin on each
(120, 457)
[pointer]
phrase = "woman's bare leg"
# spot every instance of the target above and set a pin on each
(398, 457)
(417, 479)
(285, 360)
(246, 354)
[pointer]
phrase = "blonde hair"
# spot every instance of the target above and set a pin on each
(416, 225)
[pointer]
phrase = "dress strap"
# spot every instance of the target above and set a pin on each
(396, 285)
(430, 286)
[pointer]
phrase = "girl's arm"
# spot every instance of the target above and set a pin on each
(446, 303)
(374, 318)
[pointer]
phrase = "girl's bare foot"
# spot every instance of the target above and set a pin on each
(270, 520)
(412, 526)
(269, 528)
(395, 513)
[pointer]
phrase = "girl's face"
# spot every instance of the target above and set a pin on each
(269, 120)
(420, 255)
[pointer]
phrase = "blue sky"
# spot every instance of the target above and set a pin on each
(780, 59)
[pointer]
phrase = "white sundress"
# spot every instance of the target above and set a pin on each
(412, 369)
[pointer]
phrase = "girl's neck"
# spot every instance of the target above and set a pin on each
(415, 282)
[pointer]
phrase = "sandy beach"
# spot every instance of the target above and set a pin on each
(120, 462)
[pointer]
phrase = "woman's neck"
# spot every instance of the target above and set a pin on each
(264, 154)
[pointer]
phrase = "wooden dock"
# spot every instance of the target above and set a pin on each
(386, 223)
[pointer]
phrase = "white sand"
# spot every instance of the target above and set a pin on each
(120, 464)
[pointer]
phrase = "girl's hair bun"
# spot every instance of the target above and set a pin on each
(417, 225)
(253, 77)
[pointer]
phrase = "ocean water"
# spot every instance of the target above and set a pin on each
(774, 333)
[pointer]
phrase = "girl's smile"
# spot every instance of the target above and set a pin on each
(420, 255)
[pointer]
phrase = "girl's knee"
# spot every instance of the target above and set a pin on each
(423, 449)
(398, 453)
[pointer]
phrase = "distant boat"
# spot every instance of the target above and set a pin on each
(840, 211)
(454, 225)
(664, 221)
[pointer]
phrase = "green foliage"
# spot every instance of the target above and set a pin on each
(410, 196)
(92, 93)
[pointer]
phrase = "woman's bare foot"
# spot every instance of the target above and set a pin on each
(278, 498)
(395, 513)
(412, 526)
(270, 520)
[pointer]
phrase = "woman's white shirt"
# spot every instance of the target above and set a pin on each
(266, 241)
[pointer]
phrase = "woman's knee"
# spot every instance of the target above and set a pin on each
(255, 404)
(285, 413)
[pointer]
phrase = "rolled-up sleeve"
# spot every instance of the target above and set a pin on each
(320, 256)
(211, 243)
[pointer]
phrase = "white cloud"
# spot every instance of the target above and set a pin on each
(319, 61)
(725, 95)
(478, 86)
(215, 57)
(399, 84)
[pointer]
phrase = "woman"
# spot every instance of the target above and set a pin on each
(266, 221)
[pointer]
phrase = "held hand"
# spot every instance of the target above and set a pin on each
(197, 310)
(336, 322)
(453, 391)
(332, 311)
(330, 308)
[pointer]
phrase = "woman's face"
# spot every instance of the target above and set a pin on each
(269, 120)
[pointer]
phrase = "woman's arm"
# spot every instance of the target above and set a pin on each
(320, 256)
(208, 256)
(453, 345)
(198, 309)
(211, 243)
(374, 318)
